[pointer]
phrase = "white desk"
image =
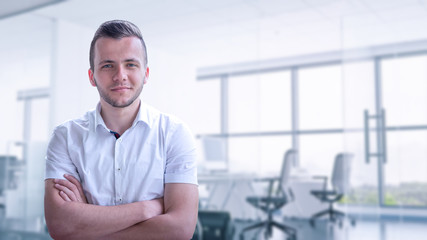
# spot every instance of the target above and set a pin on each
(228, 192)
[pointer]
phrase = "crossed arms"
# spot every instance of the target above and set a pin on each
(69, 216)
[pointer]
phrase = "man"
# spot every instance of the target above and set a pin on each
(124, 170)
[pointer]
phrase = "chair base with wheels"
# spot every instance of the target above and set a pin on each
(333, 214)
(268, 226)
(269, 205)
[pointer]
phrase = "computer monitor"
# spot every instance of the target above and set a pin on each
(215, 153)
(7, 172)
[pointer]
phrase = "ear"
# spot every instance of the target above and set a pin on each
(147, 73)
(91, 79)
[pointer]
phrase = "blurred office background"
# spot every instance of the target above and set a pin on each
(253, 79)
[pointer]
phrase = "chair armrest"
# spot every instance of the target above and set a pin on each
(266, 179)
(325, 181)
(270, 181)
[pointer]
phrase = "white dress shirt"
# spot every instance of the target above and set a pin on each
(155, 150)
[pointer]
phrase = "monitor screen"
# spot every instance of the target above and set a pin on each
(215, 153)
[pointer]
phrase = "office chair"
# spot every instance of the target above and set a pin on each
(214, 225)
(274, 201)
(340, 186)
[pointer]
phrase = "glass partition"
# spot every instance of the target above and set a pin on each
(404, 81)
(259, 102)
(320, 94)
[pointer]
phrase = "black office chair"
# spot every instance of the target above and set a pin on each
(214, 225)
(274, 201)
(340, 186)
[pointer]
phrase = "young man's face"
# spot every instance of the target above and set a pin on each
(119, 70)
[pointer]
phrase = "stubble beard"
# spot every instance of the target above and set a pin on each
(108, 99)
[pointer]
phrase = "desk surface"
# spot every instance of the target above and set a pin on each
(226, 177)
(220, 177)
(231, 190)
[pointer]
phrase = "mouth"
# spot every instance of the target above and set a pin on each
(120, 89)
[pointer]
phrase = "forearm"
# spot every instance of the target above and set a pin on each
(84, 221)
(178, 221)
(165, 226)
(74, 220)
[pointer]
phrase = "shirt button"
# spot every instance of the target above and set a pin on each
(120, 199)
(120, 140)
(118, 169)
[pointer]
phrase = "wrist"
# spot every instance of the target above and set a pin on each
(150, 209)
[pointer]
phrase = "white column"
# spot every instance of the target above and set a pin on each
(71, 93)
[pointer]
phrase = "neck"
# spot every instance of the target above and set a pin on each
(119, 119)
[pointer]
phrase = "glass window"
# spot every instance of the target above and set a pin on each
(208, 107)
(317, 152)
(320, 97)
(404, 82)
(363, 176)
(406, 168)
(258, 155)
(358, 93)
(260, 102)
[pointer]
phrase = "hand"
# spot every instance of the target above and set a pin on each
(70, 189)
(153, 208)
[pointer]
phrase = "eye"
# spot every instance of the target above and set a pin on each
(132, 65)
(107, 66)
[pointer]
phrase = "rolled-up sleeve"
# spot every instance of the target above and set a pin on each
(58, 161)
(181, 164)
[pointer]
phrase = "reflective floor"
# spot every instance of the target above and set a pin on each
(22, 235)
(323, 230)
(363, 229)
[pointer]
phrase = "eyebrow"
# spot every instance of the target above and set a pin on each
(132, 60)
(126, 60)
(105, 61)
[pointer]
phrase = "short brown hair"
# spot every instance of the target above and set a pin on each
(116, 29)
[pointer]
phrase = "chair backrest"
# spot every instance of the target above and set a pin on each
(285, 173)
(341, 173)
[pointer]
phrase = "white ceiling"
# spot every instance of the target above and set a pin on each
(296, 18)
(12, 8)
(272, 28)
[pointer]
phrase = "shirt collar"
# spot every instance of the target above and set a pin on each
(142, 116)
(98, 118)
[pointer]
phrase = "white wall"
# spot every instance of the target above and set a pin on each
(72, 94)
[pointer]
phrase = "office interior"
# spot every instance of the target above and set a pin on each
(254, 80)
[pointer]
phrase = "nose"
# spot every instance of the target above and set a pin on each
(120, 74)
